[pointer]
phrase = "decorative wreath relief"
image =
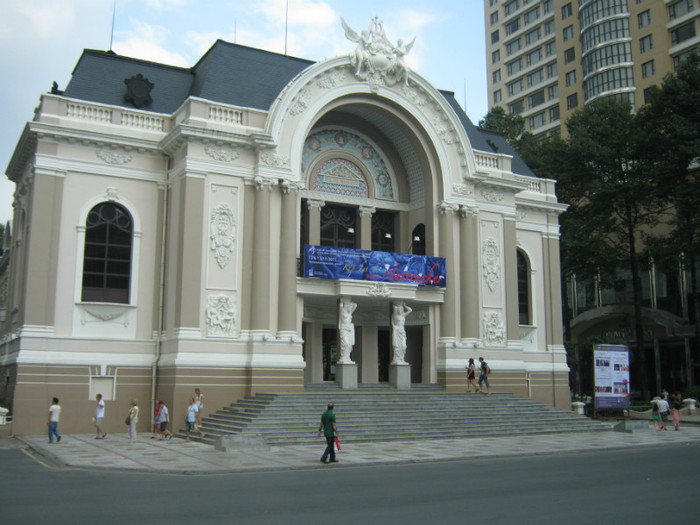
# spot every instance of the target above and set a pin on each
(490, 260)
(221, 315)
(222, 232)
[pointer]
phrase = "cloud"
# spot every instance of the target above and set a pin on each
(147, 42)
(301, 12)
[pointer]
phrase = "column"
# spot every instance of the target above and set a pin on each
(552, 280)
(469, 273)
(260, 300)
(448, 315)
(510, 246)
(314, 207)
(313, 373)
(287, 317)
(365, 226)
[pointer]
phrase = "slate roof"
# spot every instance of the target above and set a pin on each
(229, 74)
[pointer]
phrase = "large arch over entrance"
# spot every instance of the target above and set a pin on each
(371, 174)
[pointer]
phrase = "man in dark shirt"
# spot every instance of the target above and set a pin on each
(484, 376)
(330, 431)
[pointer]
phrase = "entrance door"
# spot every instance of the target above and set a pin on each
(330, 353)
(384, 353)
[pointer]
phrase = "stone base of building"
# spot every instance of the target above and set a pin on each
(76, 387)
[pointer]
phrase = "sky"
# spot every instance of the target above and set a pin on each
(42, 40)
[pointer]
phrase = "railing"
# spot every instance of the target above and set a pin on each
(226, 115)
(490, 162)
(533, 184)
(143, 121)
(89, 112)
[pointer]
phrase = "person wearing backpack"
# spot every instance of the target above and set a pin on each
(484, 376)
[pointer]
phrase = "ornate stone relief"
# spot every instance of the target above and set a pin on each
(494, 328)
(414, 94)
(104, 314)
(379, 290)
(301, 104)
(111, 156)
(222, 233)
(375, 59)
(466, 211)
(111, 194)
(492, 195)
(444, 130)
(287, 186)
(466, 189)
(447, 207)
(262, 182)
(273, 159)
(221, 153)
(221, 315)
(490, 260)
(332, 79)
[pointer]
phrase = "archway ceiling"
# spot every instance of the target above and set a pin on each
(397, 134)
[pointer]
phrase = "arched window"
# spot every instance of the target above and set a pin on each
(107, 259)
(524, 296)
(418, 240)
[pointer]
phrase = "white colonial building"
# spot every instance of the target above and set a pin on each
(163, 216)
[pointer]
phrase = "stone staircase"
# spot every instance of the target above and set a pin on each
(381, 413)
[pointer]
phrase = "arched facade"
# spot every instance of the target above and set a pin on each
(226, 195)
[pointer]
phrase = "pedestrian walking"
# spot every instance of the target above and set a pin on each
(655, 415)
(156, 416)
(191, 420)
(663, 412)
(133, 418)
(677, 404)
(54, 416)
(99, 417)
(162, 421)
(330, 432)
(485, 371)
(199, 401)
(471, 375)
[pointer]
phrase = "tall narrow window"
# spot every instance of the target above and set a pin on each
(383, 231)
(107, 259)
(523, 289)
(418, 240)
(338, 226)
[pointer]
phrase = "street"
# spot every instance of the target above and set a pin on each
(639, 485)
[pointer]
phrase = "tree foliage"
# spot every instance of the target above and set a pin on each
(512, 127)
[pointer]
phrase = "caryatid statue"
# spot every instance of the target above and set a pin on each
(346, 329)
(398, 332)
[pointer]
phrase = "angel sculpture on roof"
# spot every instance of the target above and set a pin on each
(375, 58)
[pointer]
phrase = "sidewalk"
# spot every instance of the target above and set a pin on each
(177, 456)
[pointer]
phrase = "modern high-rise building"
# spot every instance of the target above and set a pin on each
(547, 58)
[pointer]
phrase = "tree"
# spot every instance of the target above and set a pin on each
(670, 137)
(512, 127)
(615, 201)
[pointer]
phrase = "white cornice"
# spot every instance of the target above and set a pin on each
(61, 165)
(84, 136)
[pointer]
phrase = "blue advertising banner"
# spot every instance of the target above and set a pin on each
(327, 262)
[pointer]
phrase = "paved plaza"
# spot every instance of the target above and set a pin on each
(178, 456)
